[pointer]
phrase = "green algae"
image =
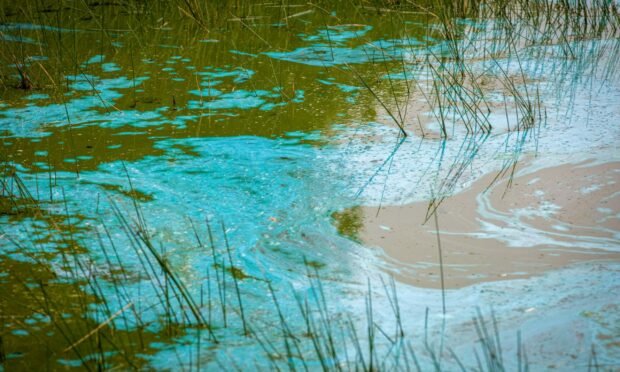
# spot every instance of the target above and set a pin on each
(349, 222)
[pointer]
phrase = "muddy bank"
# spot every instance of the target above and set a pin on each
(530, 224)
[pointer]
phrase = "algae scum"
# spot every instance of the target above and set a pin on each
(310, 186)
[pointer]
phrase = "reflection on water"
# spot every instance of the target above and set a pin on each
(251, 154)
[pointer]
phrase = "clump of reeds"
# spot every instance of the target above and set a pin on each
(15, 198)
(484, 49)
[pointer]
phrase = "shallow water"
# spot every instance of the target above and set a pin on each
(264, 128)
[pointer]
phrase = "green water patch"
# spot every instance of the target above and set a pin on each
(338, 33)
(133, 193)
(349, 222)
(324, 55)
